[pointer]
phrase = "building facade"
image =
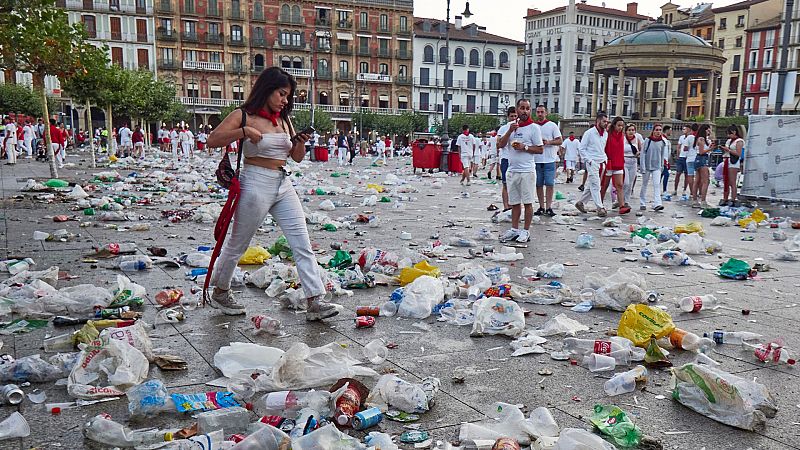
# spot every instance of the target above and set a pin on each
(559, 44)
(761, 53)
(482, 73)
(791, 92)
(346, 55)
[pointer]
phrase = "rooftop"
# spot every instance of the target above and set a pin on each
(630, 13)
(659, 34)
(768, 24)
(469, 33)
(737, 6)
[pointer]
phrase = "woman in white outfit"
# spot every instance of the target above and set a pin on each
(732, 157)
(269, 140)
(633, 146)
(655, 152)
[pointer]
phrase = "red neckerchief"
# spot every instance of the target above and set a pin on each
(542, 122)
(524, 123)
(600, 130)
(572, 138)
(657, 139)
(466, 133)
(271, 116)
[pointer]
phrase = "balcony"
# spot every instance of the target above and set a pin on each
(555, 90)
(164, 6)
(259, 42)
(213, 10)
(204, 65)
(538, 51)
(557, 69)
(189, 36)
(399, 54)
(488, 85)
(546, 70)
(237, 41)
(345, 24)
(722, 26)
(214, 38)
(258, 69)
(166, 34)
(374, 77)
(547, 49)
(344, 50)
(201, 101)
(740, 25)
(383, 28)
(286, 19)
(167, 64)
(384, 53)
(404, 80)
(557, 48)
(528, 72)
(237, 68)
(235, 13)
(292, 45)
(298, 73)
(403, 31)
(365, 51)
(322, 22)
(257, 16)
(538, 71)
(323, 74)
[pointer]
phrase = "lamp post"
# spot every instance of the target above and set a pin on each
(788, 10)
(467, 14)
(326, 34)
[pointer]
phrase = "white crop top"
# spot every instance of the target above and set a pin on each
(271, 145)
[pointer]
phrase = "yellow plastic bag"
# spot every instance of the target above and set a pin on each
(378, 188)
(691, 227)
(757, 216)
(640, 321)
(255, 255)
(409, 274)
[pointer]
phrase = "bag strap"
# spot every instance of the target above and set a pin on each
(239, 149)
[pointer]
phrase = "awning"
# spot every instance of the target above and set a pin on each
(364, 96)
(384, 98)
(323, 33)
(344, 95)
(402, 98)
(344, 36)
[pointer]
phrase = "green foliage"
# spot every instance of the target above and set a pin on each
(698, 118)
(479, 123)
(554, 118)
(226, 110)
(322, 120)
(401, 124)
(177, 112)
(725, 122)
(18, 98)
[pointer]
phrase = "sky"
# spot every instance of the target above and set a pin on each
(507, 21)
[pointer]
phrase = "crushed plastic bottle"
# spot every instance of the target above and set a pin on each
(697, 303)
(684, 340)
(585, 240)
(732, 337)
(230, 420)
(108, 432)
(625, 382)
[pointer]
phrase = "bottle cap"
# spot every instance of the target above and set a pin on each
(791, 362)
(248, 406)
(342, 419)
(168, 436)
(55, 410)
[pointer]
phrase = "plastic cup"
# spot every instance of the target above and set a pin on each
(376, 351)
(600, 363)
(14, 426)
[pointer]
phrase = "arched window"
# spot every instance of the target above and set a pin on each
(363, 67)
(258, 10)
(323, 67)
(442, 54)
(258, 33)
(474, 57)
(427, 55)
(383, 68)
(286, 62)
(296, 13)
(285, 12)
(286, 38)
(504, 60)
(297, 39)
(403, 72)
(297, 62)
(460, 56)
(323, 98)
(488, 58)
(258, 61)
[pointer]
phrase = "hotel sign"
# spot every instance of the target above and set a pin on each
(580, 30)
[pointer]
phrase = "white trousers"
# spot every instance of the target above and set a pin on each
(28, 146)
(187, 149)
(379, 156)
(631, 172)
(266, 191)
(342, 155)
(654, 177)
(174, 149)
(11, 151)
(592, 189)
(57, 153)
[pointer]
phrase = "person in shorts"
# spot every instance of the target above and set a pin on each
(503, 151)
(466, 146)
(546, 162)
(691, 155)
(526, 140)
(570, 147)
(680, 162)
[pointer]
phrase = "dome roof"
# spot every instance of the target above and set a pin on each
(659, 34)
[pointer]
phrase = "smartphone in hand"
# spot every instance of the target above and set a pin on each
(309, 131)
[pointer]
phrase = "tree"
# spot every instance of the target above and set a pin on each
(177, 112)
(36, 37)
(479, 123)
(322, 120)
(18, 98)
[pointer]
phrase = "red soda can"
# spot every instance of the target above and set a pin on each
(365, 322)
(368, 311)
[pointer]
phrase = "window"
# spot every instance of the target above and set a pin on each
(167, 54)
(344, 67)
(215, 57)
(113, 5)
(236, 33)
(238, 92)
(258, 34)
(297, 39)
(495, 81)
(190, 55)
(189, 28)
(739, 42)
(424, 99)
(383, 23)
(237, 61)
(344, 18)
(116, 28)
(213, 28)
(363, 20)
(286, 13)
(470, 103)
(363, 45)
(402, 47)
(765, 78)
(90, 25)
(488, 58)
(116, 56)
(323, 67)
(733, 87)
(383, 69)
(215, 90)
(192, 90)
(427, 54)
(403, 23)
(403, 72)
(740, 21)
(296, 17)
(721, 43)
(424, 76)
(258, 10)
(736, 62)
(472, 79)
(751, 81)
(442, 54)
(459, 56)
(504, 60)
(383, 47)
(474, 58)
(768, 58)
(448, 77)
(576, 107)
(363, 67)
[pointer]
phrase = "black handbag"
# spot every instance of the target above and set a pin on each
(225, 172)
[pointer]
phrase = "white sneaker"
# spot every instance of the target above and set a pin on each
(524, 236)
(509, 235)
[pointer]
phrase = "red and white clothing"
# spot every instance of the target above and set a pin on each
(466, 148)
(592, 150)
(571, 152)
(549, 131)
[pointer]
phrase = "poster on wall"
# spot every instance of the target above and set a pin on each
(772, 158)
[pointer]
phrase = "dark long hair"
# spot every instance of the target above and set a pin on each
(734, 129)
(268, 82)
(702, 132)
(614, 124)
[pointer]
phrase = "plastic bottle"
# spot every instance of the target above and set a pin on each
(196, 272)
(275, 288)
(281, 403)
(121, 247)
(61, 343)
(585, 347)
(624, 382)
(697, 303)
(262, 323)
(230, 420)
(772, 352)
(585, 240)
(732, 337)
(456, 241)
(105, 431)
(685, 340)
(132, 266)
(211, 441)
(266, 438)
(20, 266)
(149, 399)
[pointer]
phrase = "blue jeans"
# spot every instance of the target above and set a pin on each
(664, 179)
(545, 174)
(503, 168)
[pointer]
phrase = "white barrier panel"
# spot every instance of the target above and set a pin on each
(772, 158)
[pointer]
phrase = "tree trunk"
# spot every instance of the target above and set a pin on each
(90, 129)
(110, 128)
(38, 83)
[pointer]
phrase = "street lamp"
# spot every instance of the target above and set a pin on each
(326, 34)
(467, 14)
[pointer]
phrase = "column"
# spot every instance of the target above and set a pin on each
(710, 95)
(604, 105)
(620, 91)
(595, 89)
(642, 94)
(668, 94)
(685, 105)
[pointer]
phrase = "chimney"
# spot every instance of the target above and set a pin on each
(633, 8)
(533, 12)
(458, 22)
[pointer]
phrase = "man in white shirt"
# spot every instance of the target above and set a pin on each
(10, 141)
(28, 135)
(187, 140)
(491, 156)
(173, 140)
(681, 166)
(125, 140)
(380, 150)
(503, 151)
(466, 147)
(570, 147)
(546, 162)
(526, 140)
(592, 151)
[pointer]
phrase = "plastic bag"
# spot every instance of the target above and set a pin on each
(756, 217)
(324, 438)
(245, 357)
(281, 248)
(614, 422)
(792, 245)
(255, 255)
(327, 205)
(584, 240)
(134, 335)
(495, 315)
(409, 274)
(266, 437)
(691, 227)
(724, 397)
(578, 439)
(106, 368)
(617, 291)
(691, 244)
(550, 270)
(735, 269)
(340, 260)
(148, 399)
(391, 390)
(639, 322)
(502, 420)
(127, 293)
(35, 369)
(561, 324)
(376, 187)
(721, 221)
(420, 296)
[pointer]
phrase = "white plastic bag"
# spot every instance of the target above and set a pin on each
(420, 296)
(245, 357)
(496, 315)
(327, 437)
(134, 335)
(691, 244)
(578, 439)
(106, 368)
(721, 221)
(550, 270)
(391, 390)
(372, 200)
(327, 205)
(561, 324)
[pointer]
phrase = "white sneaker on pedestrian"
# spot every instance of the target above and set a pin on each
(509, 235)
(524, 236)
